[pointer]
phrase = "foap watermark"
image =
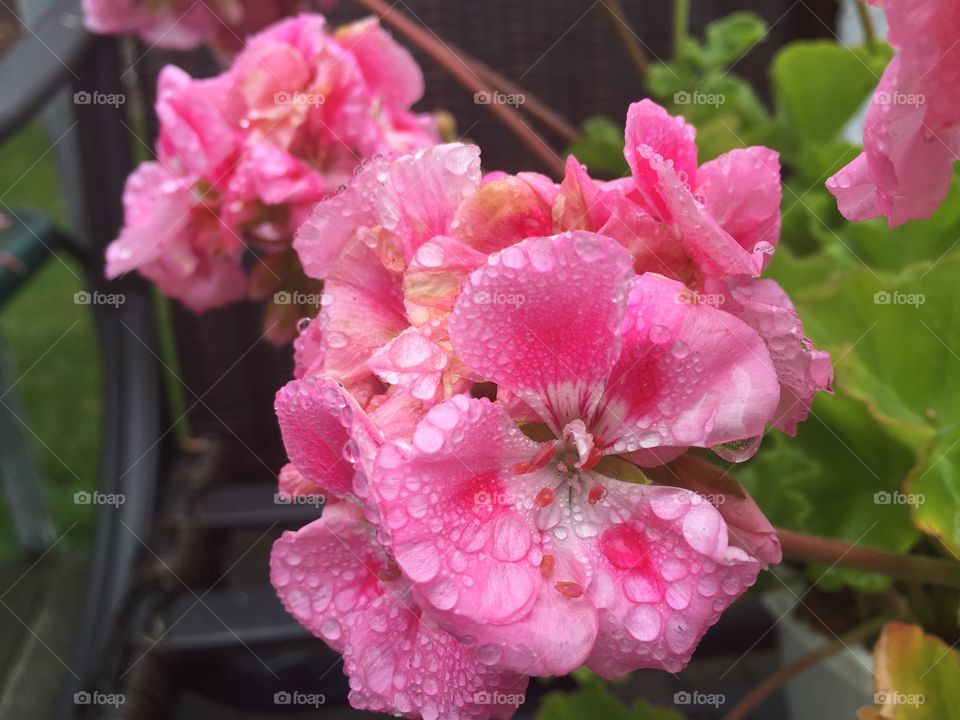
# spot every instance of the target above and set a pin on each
(898, 498)
(683, 697)
(484, 697)
(485, 497)
(285, 498)
(302, 699)
(884, 97)
(882, 297)
(899, 698)
(485, 97)
(482, 297)
(82, 497)
(285, 297)
(84, 297)
(99, 698)
(84, 97)
(692, 297)
(298, 98)
(699, 98)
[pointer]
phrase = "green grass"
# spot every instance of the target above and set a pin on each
(59, 387)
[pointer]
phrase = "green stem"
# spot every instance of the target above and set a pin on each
(866, 22)
(773, 683)
(681, 24)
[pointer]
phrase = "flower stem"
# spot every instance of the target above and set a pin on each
(467, 77)
(773, 683)
(618, 20)
(681, 24)
(912, 568)
(866, 22)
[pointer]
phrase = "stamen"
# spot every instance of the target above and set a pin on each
(389, 573)
(546, 565)
(569, 589)
(545, 497)
(537, 461)
(596, 494)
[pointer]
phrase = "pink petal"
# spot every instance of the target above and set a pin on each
(413, 362)
(747, 527)
(195, 136)
(292, 484)
(387, 66)
(500, 214)
(856, 193)
(462, 530)
(541, 319)
(664, 575)
(408, 200)
(337, 581)
(326, 573)
(323, 430)
(362, 311)
(688, 374)
(652, 131)
(174, 240)
(741, 190)
(434, 277)
(802, 370)
(910, 137)
(662, 155)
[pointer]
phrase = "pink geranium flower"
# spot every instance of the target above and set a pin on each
(506, 539)
(360, 244)
(911, 137)
(711, 227)
(244, 156)
(337, 579)
(186, 24)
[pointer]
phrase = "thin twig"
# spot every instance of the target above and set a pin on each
(467, 77)
(531, 103)
(785, 674)
(618, 19)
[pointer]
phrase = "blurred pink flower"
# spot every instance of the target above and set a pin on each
(911, 137)
(186, 24)
(244, 157)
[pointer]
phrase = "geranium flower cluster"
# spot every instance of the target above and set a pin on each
(911, 137)
(496, 360)
(186, 24)
(244, 156)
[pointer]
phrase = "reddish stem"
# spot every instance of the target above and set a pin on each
(462, 72)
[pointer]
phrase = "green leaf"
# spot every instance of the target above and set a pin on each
(819, 85)
(592, 700)
(916, 676)
(903, 335)
(826, 480)
(897, 343)
(800, 275)
(726, 40)
(601, 148)
(933, 489)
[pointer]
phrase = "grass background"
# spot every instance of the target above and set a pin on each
(59, 387)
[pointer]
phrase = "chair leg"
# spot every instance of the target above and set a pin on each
(29, 511)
